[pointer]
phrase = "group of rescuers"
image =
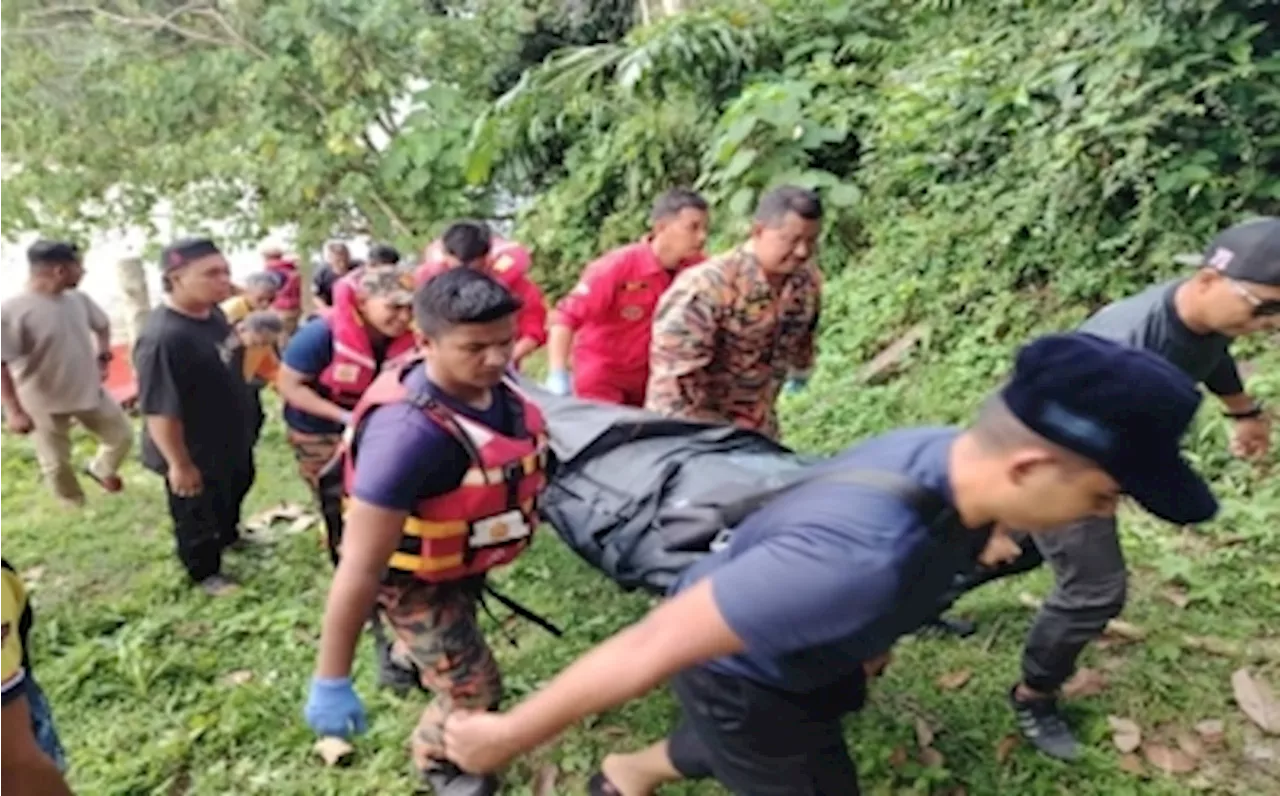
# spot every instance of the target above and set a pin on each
(400, 391)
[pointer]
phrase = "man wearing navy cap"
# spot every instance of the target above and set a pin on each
(1190, 322)
(770, 640)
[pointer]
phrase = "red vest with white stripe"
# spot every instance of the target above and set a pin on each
(506, 262)
(353, 367)
(489, 518)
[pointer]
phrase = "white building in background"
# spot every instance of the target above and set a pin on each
(108, 248)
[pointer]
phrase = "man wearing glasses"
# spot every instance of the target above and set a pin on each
(1191, 322)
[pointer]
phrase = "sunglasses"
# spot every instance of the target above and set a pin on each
(1262, 308)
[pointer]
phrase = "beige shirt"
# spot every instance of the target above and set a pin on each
(50, 348)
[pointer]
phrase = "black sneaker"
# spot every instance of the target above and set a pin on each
(449, 780)
(1042, 723)
(942, 626)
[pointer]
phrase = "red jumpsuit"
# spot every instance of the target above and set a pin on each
(611, 314)
(508, 263)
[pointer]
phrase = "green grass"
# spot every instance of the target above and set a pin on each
(136, 662)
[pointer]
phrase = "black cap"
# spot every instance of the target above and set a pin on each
(52, 252)
(182, 252)
(1249, 252)
(1125, 409)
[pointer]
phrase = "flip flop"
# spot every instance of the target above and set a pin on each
(599, 785)
(111, 483)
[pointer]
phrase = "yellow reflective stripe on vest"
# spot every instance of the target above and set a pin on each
(426, 529)
(478, 476)
(410, 563)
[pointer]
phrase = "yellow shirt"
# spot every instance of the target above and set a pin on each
(13, 602)
(235, 308)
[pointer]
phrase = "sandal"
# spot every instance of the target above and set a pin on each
(110, 483)
(599, 785)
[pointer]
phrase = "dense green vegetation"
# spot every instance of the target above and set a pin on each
(993, 168)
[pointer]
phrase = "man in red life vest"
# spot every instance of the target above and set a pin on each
(470, 243)
(288, 302)
(332, 360)
(444, 463)
(608, 317)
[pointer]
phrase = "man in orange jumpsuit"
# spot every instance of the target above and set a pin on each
(607, 319)
(470, 243)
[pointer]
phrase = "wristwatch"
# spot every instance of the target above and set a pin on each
(1246, 414)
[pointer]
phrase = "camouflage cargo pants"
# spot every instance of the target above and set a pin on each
(435, 627)
(313, 452)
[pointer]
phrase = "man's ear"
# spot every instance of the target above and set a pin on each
(1022, 463)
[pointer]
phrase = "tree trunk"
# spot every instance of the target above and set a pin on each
(136, 298)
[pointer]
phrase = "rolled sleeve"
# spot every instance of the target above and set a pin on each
(1225, 379)
(684, 344)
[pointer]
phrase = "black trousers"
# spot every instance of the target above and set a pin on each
(760, 741)
(206, 524)
(1090, 589)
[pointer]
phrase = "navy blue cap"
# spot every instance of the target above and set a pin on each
(1125, 409)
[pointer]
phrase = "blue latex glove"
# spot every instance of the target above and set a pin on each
(558, 382)
(333, 708)
(795, 385)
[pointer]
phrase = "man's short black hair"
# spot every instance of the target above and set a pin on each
(675, 200)
(467, 240)
(777, 203)
(458, 296)
(50, 253)
(383, 254)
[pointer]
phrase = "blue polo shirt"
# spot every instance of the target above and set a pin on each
(830, 574)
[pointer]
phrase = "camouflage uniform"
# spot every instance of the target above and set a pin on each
(725, 340)
(437, 632)
(313, 452)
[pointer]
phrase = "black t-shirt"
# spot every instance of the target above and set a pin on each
(184, 371)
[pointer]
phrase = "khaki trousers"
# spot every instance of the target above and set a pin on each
(52, 438)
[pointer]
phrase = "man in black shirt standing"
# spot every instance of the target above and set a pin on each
(1190, 322)
(198, 412)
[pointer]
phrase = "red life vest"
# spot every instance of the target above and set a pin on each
(489, 518)
(353, 367)
(507, 261)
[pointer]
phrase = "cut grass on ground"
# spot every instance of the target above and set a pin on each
(158, 689)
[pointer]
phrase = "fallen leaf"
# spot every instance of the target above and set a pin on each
(898, 757)
(1125, 734)
(953, 680)
(1118, 627)
(1259, 750)
(1006, 746)
(924, 734)
(1176, 596)
(1190, 744)
(1255, 699)
(334, 751)
(1086, 682)
(1211, 731)
(238, 677)
(931, 757)
(1132, 764)
(544, 782)
(1112, 663)
(1200, 782)
(1170, 761)
(301, 524)
(33, 575)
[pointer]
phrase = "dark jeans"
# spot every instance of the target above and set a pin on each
(760, 741)
(42, 724)
(1090, 585)
(206, 524)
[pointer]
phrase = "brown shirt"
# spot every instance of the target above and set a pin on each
(50, 348)
(725, 340)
